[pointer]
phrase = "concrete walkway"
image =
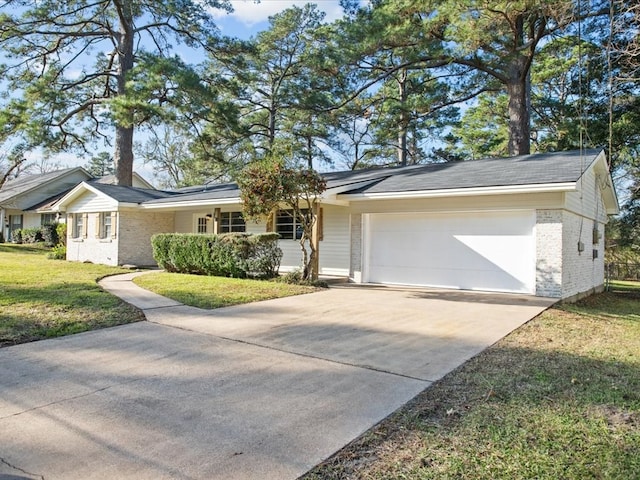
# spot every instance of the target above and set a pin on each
(264, 390)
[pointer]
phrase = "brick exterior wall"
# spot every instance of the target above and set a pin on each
(549, 253)
(135, 229)
(561, 270)
(581, 272)
(355, 268)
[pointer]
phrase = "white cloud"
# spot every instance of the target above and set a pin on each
(250, 13)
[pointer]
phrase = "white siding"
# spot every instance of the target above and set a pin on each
(587, 201)
(91, 202)
(334, 246)
(461, 204)
(292, 255)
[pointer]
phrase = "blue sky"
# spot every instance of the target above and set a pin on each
(250, 17)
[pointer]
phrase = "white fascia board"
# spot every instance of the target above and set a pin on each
(462, 192)
(191, 203)
(605, 182)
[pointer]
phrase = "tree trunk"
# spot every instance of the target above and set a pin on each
(123, 156)
(519, 91)
(519, 119)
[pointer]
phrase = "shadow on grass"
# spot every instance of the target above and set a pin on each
(33, 313)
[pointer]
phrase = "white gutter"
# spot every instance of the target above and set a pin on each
(461, 192)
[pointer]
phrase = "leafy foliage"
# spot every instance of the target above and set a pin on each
(79, 73)
(266, 185)
(227, 255)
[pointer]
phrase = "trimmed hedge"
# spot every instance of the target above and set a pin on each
(47, 234)
(227, 255)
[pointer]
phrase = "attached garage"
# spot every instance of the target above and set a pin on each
(493, 251)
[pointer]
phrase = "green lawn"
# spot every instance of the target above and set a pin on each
(42, 298)
(559, 398)
(215, 292)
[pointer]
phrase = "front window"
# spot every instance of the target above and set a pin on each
(106, 226)
(288, 225)
(78, 225)
(47, 219)
(232, 222)
(201, 225)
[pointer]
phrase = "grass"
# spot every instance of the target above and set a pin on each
(215, 292)
(559, 398)
(42, 298)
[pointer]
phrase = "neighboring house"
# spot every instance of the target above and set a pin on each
(27, 202)
(531, 224)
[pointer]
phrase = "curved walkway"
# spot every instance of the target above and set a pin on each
(264, 390)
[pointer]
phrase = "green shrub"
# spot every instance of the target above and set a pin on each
(49, 234)
(229, 255)
(59, 252)
(29, 235)
(61, 231)
(16, 236)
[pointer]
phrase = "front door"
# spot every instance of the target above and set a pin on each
(15, 223)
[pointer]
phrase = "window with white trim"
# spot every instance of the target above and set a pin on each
(232, 222)
(106, 225)
(288, 225)
(201, 225)
(78, 225)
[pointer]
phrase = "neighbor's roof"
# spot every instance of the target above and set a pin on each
(27, 183)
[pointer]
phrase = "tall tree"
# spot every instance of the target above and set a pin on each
(272, 80)
(483, 42)
(71, 64)
(11, 164)
(101, 165)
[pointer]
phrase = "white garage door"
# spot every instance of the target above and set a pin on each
(472, 251)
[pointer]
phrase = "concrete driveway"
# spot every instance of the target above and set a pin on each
(265, 390)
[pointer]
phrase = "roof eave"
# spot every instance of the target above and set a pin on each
(462, 192)
(190, 203)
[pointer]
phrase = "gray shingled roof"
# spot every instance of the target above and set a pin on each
(210, 192)
(131, 194)
(547, 168)
(28, 182)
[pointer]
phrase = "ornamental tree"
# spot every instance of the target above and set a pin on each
(268, 185)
